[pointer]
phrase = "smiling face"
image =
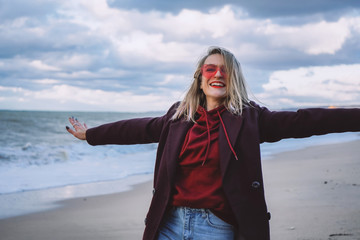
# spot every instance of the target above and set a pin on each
(213, 81)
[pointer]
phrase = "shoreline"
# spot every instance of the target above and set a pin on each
(28, 202)
(312, 193)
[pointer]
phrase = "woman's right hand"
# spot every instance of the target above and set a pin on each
(79, 129)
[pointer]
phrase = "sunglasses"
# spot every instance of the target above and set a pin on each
(210, 70)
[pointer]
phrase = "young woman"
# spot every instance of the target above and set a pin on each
(208, 180)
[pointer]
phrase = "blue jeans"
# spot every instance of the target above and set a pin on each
(183, 223)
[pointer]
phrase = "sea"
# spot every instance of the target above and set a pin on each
(41, 164)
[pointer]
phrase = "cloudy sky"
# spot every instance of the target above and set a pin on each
(139, 55)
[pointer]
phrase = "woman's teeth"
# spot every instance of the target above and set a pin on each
(217, 84)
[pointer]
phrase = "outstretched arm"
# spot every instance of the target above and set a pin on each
(307, 122)
(79, 129)
(130, 131)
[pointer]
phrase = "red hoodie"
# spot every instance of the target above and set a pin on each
(198, 180)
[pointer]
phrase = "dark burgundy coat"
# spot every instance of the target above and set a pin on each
(242, 179)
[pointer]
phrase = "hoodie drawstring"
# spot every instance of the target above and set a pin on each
(209, 138)
(227, 137)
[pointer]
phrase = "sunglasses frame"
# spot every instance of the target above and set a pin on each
(211, 74)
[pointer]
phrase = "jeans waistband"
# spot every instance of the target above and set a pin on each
(191, 209)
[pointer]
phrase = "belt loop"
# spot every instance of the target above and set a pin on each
(204, 213)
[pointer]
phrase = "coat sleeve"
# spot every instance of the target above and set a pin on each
(277, 125)
(132, 131)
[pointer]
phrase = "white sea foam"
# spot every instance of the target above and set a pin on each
(91, 168)
(36, 152)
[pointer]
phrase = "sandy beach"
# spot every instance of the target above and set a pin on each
(312, 194)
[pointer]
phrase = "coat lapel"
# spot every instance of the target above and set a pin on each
(233, 125)
(175, 140)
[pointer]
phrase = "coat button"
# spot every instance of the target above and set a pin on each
(255, 184)
(153, 191)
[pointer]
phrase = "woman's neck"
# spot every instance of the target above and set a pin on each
(210, 105)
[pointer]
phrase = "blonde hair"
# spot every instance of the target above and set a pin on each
(237, 96)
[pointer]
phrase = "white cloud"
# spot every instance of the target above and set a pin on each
(313, 38)
(142, 47)
(46, 81)
(38, 64)
(192, 23)
(17, 23)
(66, 97)
(323, 85)
(12, 90)
(26, 65)
(160, 36)
(166, 37)
(88, 43)
(73, 61)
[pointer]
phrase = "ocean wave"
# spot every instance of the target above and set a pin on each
(63, 170)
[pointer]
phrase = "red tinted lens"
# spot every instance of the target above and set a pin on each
(209, 70)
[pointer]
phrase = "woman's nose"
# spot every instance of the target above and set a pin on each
(218, 73)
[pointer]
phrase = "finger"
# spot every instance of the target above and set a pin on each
(70, 130)
(86, 127)
(72, 120)
(75, 123)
